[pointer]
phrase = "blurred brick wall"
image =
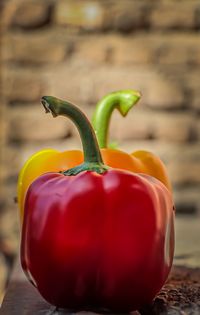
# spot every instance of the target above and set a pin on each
(81, 50)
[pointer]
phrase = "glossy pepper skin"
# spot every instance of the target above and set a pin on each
(95, 237)
(50, 160)
(102, 241)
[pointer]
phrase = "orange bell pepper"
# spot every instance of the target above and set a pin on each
(139, 161)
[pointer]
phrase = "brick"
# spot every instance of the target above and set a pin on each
(9, 227)
(7, 12)
(176, 48)
(85, 52)
(184, 166)
(147, 48)
(3, 136)
(131, 50)
(31, 14)
(10, 156)
(164, 93)
(48, 47)
(154, 48)
(184, 172)
(192, 80)
(174, 15)
(37, 49)
(191, 152)
(187, 198)
(196, 55)
(115, 49)
(175, 127)
(195, 102)
(3, 130)
(3, 123)
(127, 16)
(31, 124)
(87, 15)
(198, 128)
(141, 123)
(197, 17)
(23, 86)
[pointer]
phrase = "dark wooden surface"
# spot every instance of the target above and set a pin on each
(180, 295)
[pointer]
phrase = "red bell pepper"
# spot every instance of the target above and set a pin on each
(95, 237)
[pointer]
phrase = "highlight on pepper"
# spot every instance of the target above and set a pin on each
(95, 236)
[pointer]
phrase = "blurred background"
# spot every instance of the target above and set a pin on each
(81, 50)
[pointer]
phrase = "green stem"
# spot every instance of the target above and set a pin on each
(122, 100)
(92, 155)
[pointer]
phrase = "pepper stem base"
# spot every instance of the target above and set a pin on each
(99, 168)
